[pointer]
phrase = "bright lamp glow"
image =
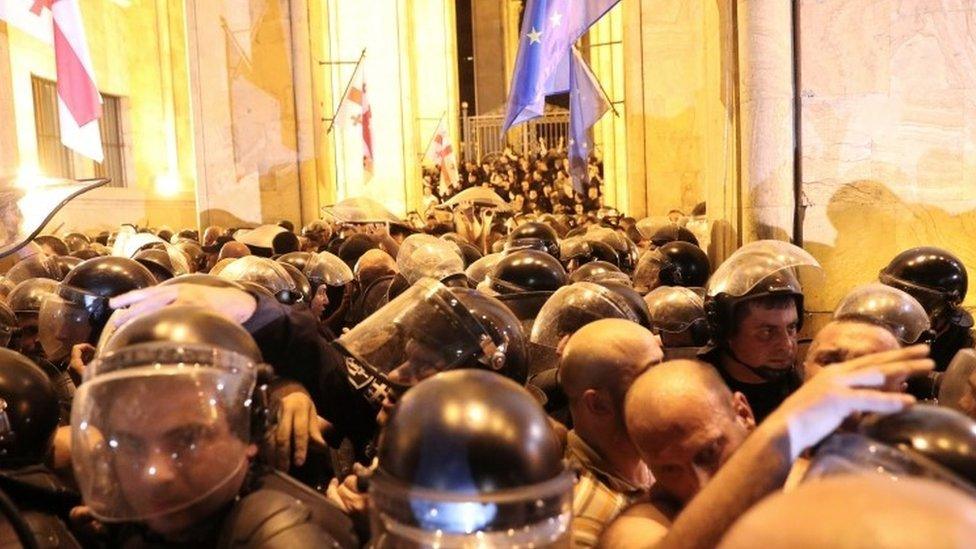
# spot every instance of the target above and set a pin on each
(167, 185)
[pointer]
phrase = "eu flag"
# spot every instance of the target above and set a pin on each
(587, 104)
(542, 67)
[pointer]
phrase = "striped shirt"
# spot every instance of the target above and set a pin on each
(599, 495)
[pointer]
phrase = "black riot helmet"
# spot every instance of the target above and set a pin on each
(66, 263)
(596, 271)
(933, 276)
(299, 260)
(301, 282)
(79, 311)
(27, 297)
(203, 279)
(539, 231)
(36, 266)
(526, 271)
(179, 358)
(678, 315)
(184, 325)
(165, 234)
(673, 233)
(157, 261)
(625, 250)
(54, 245)
(631, 298)
(8, 324)
(921, 441)
(470, 455)
(266, 273)
(194, 253)
(673, 264)
(760, 269)
(29, 411)
(76, 242)
(888, 307)
(430, 328)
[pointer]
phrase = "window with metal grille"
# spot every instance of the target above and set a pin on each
(56, 160)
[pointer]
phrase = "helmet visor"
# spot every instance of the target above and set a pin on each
(849, 453)
(326, 268)
(425, 330)
(572, 307)
(154, 434)
(536, 515)
(674, 309)
(62, 324)
(888, 306)
(427, 256)
(754, 262)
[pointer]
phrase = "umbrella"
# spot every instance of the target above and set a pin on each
(361, 210)
(479, 196)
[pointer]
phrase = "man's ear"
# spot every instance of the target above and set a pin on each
(743, 412)
(596, 402)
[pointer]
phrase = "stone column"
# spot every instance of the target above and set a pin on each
(302, 69)
(8, 129)
(766, 118)
(489, 28)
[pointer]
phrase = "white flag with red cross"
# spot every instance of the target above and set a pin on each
(355, 113)
(441, 153)
(79, 103)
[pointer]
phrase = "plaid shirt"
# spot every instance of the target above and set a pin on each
(599, 495)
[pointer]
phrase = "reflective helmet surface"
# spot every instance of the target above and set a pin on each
(887, 306)
(597, 271)
(29, 411)
(933, 276)
(326, 268)
(574, 306)
(36, 266)
(673, 264)
(470, 454)
(54, 245)
(28, 296)
(527, 271)
(924, 440)
(264, 272)
(539, 231)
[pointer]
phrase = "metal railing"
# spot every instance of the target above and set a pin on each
(481, 135)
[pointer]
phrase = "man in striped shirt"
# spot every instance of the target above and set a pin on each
(598, 365)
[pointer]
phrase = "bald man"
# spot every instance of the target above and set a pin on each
(842, 340)
(859, 511)
(712, 462)
(595, 379)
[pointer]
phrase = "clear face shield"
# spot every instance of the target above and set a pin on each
(160, 433)
(678, 315)
(478, 271)
(27, 206)
(571, 307)
(647, 275)
(264, 272)
(423, 331)
(530, 516)
(423, 255)
(738, 275)
(890, 307)
(852, 453)
(326, 268)
(68, 318)
(37, 266)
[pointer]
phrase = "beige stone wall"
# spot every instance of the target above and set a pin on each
(679, 123)
(889, 134)
(134, 61)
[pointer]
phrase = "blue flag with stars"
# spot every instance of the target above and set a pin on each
(543, 65)
(587, 104)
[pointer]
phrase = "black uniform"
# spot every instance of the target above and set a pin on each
(764, 397)
(44, 503)
(959, 335)
(289, 340)
(273, 511)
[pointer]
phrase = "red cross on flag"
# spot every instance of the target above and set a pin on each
(441, 153)
(355, 113)
(79, 103)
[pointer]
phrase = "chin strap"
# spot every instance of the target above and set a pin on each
(765, 372)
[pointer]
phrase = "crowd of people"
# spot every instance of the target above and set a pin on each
(535, 184)
(480, 380)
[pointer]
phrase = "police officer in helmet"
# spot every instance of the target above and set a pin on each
(497, 476)
(939, 281)
(754, 307)
(165, 436)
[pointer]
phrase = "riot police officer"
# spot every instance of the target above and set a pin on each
(524, 280)
(678, 316)
(538, 231)
(165, 432)
(79, 311)
(496, 476)
(754, 307)
(28, 420)
(672, 264)
(332, 290)
(939, 281)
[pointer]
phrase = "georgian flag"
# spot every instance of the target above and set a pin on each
(354, 111)
(441, 153)
(79, 103)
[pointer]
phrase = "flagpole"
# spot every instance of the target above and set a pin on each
(434, 135)
(345, 92)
